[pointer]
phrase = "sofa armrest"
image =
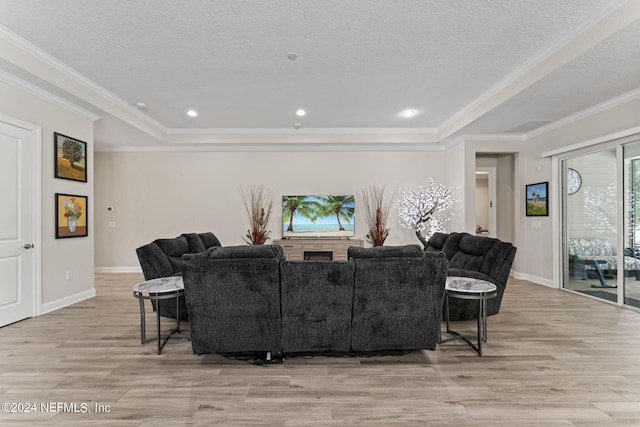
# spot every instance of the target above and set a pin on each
(154, 262)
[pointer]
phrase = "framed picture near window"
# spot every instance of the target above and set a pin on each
(70, 158)
(537, 198)
(72, 219)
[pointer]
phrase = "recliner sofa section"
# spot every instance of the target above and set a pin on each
(478, 257)
(233, 299)
(250, 299)
(163, 258)
(398, 298)
(317, 299)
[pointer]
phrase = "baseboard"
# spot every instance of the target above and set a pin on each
(535, 279)
(67, 301)
(117, 270)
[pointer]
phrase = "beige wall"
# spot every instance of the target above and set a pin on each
(506, 197)
(158, 194)
(57, 255)
(457, 164)
(535, 253)
(533, 236)
(164, 194)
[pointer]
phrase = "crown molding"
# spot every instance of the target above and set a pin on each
(362, 146)
(283, 147)
(314, 131)
(516, 137)
(56, 64)
(47, 96)
(513, 137)
(633, 132)
(339, 136)
(598, 108)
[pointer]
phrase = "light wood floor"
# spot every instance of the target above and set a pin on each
(552, 359)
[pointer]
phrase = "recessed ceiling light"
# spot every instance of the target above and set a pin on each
(141, 105)
(408, 113)
(292, 56)
(192, 113)
(301, 112)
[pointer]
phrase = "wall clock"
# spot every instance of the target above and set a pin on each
(574, 181)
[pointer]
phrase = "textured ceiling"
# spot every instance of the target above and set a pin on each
(465, 66)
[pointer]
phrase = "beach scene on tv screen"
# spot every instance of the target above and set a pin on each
(318, 216)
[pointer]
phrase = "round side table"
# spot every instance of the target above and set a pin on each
(470, 289)
(159, 289)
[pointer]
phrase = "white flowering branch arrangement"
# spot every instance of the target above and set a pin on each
(425, 210)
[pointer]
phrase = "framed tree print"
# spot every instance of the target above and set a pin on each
(537, 199)
(70, 158)
(72, 219)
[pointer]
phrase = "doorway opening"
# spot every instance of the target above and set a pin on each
(486, 218)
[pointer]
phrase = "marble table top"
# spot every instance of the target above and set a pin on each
(467, 284)
(160, 285)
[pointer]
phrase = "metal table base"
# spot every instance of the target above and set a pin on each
(482, 298)
(174, 333)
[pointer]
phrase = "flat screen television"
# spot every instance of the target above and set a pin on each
(318, 216)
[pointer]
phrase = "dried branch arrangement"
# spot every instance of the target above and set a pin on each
(376, 210)
(259, 202)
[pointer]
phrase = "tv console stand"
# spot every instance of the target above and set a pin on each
(300, 249)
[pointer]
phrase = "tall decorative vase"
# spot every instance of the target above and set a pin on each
(72, 224)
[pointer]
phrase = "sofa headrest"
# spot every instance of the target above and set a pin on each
(209, 240)
(408, 251)
(258, 251)
(474, 245)
(173, 247)
(195, 242)
(437, 241)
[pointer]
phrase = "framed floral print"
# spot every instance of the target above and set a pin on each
(72, 219)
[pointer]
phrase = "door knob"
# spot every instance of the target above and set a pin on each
(28, 245)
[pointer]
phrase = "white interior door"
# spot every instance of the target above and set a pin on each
(17, 190)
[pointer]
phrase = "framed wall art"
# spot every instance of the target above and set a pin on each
(72, 217)
(70, 158)
(537, 196)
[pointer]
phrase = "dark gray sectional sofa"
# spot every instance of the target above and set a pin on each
(163, 257)
(478, 257)
(250, 299)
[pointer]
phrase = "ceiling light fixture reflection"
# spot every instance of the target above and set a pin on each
(192, 113)
(408, 113)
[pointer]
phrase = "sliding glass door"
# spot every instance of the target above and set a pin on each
(590, 224)
(631, 176)
(601, 223)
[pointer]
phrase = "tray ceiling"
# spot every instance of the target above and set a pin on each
(465, 67)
